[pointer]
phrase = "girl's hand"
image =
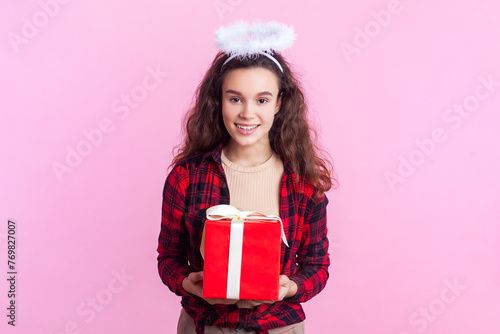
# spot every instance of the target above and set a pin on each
(194, 285)
(288, 288)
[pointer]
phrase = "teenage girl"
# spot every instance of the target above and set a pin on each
(248, 144)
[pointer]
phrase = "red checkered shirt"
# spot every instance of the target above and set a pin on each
(199, 183)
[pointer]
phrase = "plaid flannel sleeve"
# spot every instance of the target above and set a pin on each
(312, 256)
(174, 239)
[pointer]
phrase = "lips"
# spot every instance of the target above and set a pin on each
(246, 129)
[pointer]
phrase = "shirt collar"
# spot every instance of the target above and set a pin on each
(215, 153)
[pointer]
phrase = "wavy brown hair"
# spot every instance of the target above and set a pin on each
(291, 137)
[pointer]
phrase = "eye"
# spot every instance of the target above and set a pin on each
(262, 101)
(235, 99)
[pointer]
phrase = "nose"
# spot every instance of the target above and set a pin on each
(247, 111)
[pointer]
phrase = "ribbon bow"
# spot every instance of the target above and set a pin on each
(224, 211)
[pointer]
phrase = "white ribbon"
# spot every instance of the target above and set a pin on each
(224, 211)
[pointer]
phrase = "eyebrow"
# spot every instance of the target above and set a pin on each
(230, 91)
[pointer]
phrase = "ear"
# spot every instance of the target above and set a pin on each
(278, 104)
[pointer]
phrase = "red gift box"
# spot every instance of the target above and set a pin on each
(242, 254)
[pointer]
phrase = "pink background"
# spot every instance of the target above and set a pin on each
(385, 80)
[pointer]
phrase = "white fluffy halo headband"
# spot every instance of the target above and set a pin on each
(244, 40)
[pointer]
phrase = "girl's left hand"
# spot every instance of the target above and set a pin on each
(288, 288)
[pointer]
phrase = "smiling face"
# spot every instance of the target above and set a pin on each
(249, 102)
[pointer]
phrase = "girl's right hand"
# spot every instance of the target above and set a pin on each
(194, 285)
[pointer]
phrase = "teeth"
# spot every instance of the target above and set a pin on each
(246, 127)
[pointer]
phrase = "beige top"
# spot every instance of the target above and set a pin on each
(254, 188)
